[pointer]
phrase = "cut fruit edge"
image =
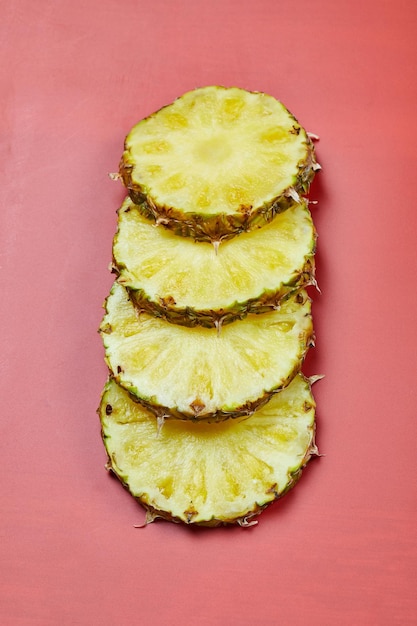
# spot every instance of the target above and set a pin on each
(211, 318)
(218, 224)
(209, 398)
(219, 227)
(240, 509)
(161, 299)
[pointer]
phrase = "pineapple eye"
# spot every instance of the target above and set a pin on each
(175, 121)
(156, 146)
(230, 110)
(274, 135)
(175, 182)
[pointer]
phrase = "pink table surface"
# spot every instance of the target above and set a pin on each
(340, 548)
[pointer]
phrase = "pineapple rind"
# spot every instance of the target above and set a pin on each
(207, 291)
(208, 474)
(198, 373)
(210, 318)
(224, 222)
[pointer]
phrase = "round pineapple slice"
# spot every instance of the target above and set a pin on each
(191, 283)
(199, 373)
(209, 474)
(217, 161)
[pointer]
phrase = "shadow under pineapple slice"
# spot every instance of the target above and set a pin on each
(217, 161)
(198, 373)
(209, 474)
(188, 283)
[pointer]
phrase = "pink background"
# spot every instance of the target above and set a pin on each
(341, 548)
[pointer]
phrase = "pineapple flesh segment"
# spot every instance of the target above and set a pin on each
(199, 373)
(189, 283)
(209, 474)
(217, 161)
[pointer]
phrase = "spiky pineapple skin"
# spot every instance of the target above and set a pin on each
(247, 409)
(189, 316)
(244, 410)
(306, 341)
(249, 518)
(165, 301)
(219, 226)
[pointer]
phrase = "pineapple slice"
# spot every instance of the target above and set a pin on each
(199, 373)
(217, 161)
(209, 474)
(187, 283)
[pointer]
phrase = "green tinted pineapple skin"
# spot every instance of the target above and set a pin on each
(113, 395)
(247, 520)
(164, 304)
(113, 335)
(216, 318)
(221, 225)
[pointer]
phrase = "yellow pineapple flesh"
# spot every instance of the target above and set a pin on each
(209, 474)
(217, 161)
(190, 283)
(199, 373)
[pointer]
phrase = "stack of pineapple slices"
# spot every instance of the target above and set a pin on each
(206, 417)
